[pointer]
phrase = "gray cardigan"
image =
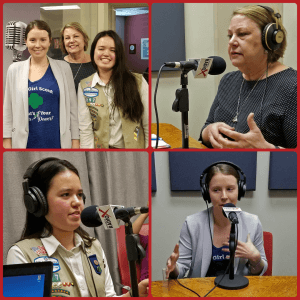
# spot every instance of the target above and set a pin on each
(195, 248)
(15, 109)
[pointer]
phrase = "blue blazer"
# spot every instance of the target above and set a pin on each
(195, 248)
(15, 109)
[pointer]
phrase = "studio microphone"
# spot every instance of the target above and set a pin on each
(213, 65)
(94, 216)
(230, 212)
(15, 38)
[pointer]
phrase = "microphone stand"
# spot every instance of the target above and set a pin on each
(231, 281)
(134, 252)
(181, 104)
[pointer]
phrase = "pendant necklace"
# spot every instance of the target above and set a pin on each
(235, 119)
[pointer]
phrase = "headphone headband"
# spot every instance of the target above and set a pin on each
(34, 166)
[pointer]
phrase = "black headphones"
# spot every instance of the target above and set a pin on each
(272, 35)
(241, 182)
(35, 201)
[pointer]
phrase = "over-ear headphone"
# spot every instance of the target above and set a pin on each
(34, 199)
(241, 182)
(272, 35)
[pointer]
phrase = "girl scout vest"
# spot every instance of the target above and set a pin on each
(64, 283)
(133, 133)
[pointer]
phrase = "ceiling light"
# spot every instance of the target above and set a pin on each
(60, 7)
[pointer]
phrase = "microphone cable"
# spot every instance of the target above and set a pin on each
(155, 106)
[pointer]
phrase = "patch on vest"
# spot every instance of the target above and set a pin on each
(90, 100)
(56, 266)
(90, 92)
(55, 277)
(39, 250)
(93, 112)
(136, 133)
(60, 291)
(95, 263)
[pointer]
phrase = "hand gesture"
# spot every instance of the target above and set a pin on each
(251, 139)
(245, 250)
(171, 263)
(211, 134)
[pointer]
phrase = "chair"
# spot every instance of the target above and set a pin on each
(268, 245)
(122, 254)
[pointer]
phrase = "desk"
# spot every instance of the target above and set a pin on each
(172, 135)
(259, 286)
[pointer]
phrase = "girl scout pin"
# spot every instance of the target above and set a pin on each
(95, 263)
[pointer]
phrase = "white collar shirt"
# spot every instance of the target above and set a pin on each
(72, 258)
(115, 124)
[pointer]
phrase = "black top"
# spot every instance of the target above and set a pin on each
(85, 71)
(275, 113)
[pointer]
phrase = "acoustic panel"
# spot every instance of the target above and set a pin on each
(283, 171)
(168, 34)
(186, 167)
(153, 174)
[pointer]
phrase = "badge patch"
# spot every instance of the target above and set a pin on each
(90, 92)
(60, 291)
(95, 263)
(56, 266)
(136, 133)
(39, 250)
(94, 113)
(90, 100)
(55, 278)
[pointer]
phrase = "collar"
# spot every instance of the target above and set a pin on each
(97, 79)
(51, 243)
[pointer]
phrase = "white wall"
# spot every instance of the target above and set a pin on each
(206, 34)
(277, 211)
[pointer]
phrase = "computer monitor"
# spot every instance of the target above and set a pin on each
(28, 280)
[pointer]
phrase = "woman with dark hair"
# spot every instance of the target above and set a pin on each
(256, 106)
(203, 246)
(40, 108)
(113, 103)
(54, 201)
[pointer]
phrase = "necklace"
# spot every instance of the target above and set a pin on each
(79, 66)
(235, 119)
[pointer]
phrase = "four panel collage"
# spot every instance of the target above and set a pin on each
(149, 149)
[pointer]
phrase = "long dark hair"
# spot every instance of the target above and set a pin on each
(42, 178)
(126, 93)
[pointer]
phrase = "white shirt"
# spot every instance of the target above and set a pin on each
(72, 258)
(115, 125)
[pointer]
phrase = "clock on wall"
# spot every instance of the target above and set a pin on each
(132, 48)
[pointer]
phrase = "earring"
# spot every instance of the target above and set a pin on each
(266, 51)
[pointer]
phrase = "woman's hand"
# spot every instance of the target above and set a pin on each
(171, 263)
(7, 143)
(144, 288)
(211, 134)
(245, 250)
(251, 139)
(75, 144)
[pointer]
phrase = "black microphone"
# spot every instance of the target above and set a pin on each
(218, 65)
(229, 212)
(90, 216)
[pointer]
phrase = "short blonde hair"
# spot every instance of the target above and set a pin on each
(78, 27)
(262, 17)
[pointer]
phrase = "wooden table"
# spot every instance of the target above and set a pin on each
(259, 286)
(172, 136)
